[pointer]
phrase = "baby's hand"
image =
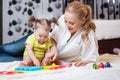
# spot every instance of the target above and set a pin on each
(36, 62)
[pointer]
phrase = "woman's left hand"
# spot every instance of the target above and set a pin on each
(80, 63)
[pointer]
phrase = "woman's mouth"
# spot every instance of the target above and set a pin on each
(70, 29)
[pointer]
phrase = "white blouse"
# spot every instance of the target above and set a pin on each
(74, 48)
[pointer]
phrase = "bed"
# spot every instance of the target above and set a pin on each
(68, 73)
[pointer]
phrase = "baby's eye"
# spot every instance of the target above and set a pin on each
(45, 36)
(40, 36)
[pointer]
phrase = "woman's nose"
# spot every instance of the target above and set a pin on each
(67, 24)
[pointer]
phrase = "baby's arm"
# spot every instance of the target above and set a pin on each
(30, 52)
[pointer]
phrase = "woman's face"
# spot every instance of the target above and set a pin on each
(72, 22)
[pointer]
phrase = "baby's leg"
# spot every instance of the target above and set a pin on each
(26, 62)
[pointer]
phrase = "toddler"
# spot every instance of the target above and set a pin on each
(38, 44)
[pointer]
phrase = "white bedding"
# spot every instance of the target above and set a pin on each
(71, 73)
(107, 29)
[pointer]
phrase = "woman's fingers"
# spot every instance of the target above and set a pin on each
(80, 64)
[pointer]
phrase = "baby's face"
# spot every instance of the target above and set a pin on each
(41, 35)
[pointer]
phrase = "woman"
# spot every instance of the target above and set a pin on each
(75, 36)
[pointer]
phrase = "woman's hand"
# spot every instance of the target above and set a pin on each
(82, 63)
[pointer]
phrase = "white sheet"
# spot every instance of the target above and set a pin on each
(72, 73)
(68, 74)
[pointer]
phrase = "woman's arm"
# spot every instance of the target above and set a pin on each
(54, 49)
(90, 51)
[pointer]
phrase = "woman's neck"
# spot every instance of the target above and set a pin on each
(71, 36)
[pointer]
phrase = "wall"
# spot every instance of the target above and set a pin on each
(17, 12)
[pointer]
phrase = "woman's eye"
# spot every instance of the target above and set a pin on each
(65, 21)
(71, 23)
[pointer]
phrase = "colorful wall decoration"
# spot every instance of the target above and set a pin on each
(17, 12)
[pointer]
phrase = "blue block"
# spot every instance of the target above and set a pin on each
(29, 68)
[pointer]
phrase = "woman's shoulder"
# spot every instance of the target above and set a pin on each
(61, 25)
(91, 34)
(61, 21)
